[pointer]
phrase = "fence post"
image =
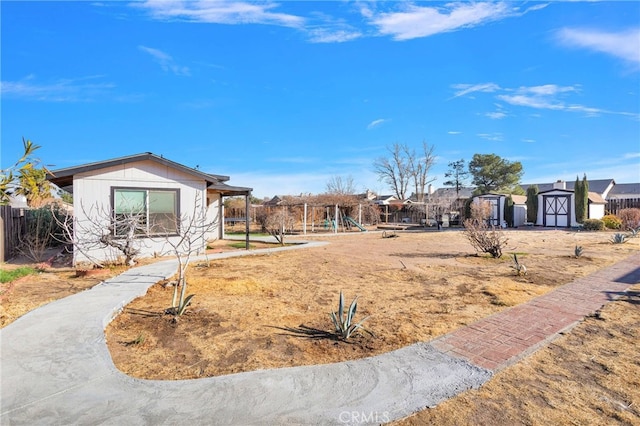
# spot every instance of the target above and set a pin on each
(2, 258)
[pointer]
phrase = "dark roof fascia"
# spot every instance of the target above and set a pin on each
(229, 190)
(568, 191)
(64, 177)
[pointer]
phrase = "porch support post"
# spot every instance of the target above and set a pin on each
(247, 206)
(304, 220)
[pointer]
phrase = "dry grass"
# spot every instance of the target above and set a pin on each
(260, 312)
(248, 313)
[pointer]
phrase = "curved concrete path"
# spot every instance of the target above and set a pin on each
(56, 369)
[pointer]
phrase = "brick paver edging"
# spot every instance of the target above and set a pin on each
(502, 339)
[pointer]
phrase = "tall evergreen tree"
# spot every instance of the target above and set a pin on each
(508, 211)
(532, 203)
(581, 196)
(585, 196)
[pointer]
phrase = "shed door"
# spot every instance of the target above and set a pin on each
(494, 219)
(556, 210)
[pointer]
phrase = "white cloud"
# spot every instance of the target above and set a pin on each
(494, 137)
(465, 89)
(496, 115)
(331, 35)
(453, 132)
(166, 61)
(220, 12)
(376, 123)
(549, 97)
(85, 89)
(548, 89)
(530, 101)
(623, 45)
(423, 21)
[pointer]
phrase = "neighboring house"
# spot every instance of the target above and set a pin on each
(601, 187)
(162, 191)
(624, 191)
(385, 200)
(498, 201)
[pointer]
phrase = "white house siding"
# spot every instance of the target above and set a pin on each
(95, 190)
(596, 211)
(215, 214)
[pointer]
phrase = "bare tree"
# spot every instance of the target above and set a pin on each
(395, 170)
(419, 169)
(191, 237)
(277, 222)
(102, 229)
(457, 175)
(339, 185)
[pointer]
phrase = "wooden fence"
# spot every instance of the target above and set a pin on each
(12, 224)
(614, 206)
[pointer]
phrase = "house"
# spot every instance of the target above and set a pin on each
(601, 187)
(497, 203)
(624, 191)
(163, 194)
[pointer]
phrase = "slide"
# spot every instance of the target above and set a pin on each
(353, 222)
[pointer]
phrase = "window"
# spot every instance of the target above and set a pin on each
(146, 211)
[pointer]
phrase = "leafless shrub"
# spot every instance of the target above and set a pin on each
(99, 230)
(484, 237)
(630, 218)
(41, 230)
(277, 223)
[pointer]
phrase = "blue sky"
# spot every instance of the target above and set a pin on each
(283, 96)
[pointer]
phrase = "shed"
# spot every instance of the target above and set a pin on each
(498, 201)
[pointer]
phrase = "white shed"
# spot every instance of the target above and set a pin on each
(498, 201)
(166, 193)
(556, 207)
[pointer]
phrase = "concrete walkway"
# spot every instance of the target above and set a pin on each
(56, 368)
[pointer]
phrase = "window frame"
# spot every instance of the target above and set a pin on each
(147, 190)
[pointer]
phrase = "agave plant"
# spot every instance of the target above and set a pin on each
(633, 233)
(578, 251)
(180, 309)
(519, 267)
(619, 238)
(344, 322)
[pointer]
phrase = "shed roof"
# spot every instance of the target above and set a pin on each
(596, 198)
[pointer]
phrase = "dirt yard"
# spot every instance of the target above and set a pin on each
(272, 310)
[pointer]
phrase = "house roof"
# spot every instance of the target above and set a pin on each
(64, 177)
(596, 198)
(517, 199)
(596, 185)
(625, 188)
(465, 192)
